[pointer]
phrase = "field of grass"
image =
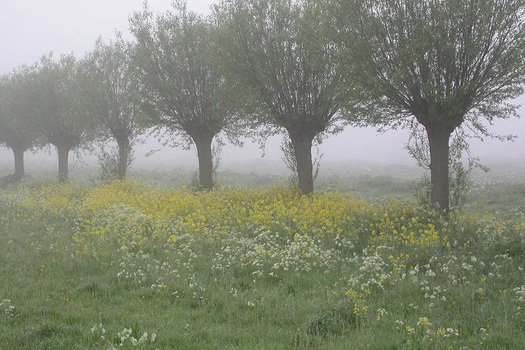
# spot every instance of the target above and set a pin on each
(128, 266)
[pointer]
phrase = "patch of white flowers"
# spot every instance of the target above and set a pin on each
(126, 338)
(99, 331)
(372, 271)
(7, 308)
(268, 253)
(519, 293)
(142, 269)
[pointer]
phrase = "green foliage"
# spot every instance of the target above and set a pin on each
(279, 53)
(188, 98)
(109, 160)
(332, 322)
(114, 99)
(17, 129)
(460, 59)
(59, 109)
(171, 50)
(445, 65)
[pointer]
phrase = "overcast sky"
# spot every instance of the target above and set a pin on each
(32, 28)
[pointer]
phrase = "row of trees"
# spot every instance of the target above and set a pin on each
(263, 67)
(70, 103)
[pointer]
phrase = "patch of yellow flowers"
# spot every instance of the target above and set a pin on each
(126, 211)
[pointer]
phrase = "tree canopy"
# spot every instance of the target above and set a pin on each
(61, 114)
(17, 131)
(114, 98)
(446, 63)
(279, 51)
(182, 83)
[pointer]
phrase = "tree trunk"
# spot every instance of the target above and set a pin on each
(438, 139)
(203, 144)
(63, 162)
(123, 157)
(19, 162)
(302, 145)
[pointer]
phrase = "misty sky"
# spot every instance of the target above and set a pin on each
(32, 28)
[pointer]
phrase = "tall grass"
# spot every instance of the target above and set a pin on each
(130, 267)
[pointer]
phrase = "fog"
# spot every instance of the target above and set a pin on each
(30, 29)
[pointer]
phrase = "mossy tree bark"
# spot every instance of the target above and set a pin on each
(302, 145)
(204, 153)
(438, 139)
(63, 162)
(123, 157)
(18, 153)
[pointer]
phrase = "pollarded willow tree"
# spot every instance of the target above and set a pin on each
(448, 64)
(60, 113)
(280, 51)
(114, 97)
(17, 130)
(176, 62)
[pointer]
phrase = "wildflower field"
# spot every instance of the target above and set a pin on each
(126, 266)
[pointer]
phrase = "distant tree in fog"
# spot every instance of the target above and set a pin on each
(280, 53)
(17, 129)
(114, 98)
(443, 64)
(61, 112)
(176, 61)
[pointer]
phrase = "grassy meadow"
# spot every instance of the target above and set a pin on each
(126, 265)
